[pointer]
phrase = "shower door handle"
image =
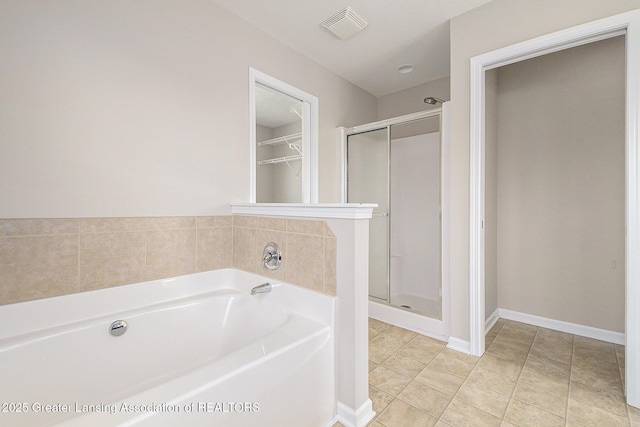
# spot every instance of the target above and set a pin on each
(381, 214)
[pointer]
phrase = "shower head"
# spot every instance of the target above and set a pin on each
(433, 101)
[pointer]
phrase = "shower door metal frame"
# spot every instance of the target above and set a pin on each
(386, 124)
(388, 213)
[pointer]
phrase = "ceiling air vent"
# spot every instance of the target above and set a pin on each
(345, 23)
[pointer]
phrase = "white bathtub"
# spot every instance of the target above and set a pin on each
(198, 350)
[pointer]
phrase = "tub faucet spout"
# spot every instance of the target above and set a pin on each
(265, 288)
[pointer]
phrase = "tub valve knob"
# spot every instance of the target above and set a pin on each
(271, 256)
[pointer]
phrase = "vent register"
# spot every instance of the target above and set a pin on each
(345, 24)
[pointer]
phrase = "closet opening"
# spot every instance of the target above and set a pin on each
(554, 185)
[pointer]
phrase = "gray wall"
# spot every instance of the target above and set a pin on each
(561, 162)
(412, 100)
(124, 108)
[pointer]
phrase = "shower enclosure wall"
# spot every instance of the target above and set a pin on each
(398, 164)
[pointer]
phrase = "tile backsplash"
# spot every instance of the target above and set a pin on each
(309, 250)
(41, 258)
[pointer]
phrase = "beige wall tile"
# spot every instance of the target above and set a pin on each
(309, 260)
(214, 249)
(274, 224)
(260, 222)
(305, 261)
(36, 227)
(107, 225)
(245, 221)
(38, 267)
(300, 226)
(170, 253)
(279, 238)
(112, 251)
(170, 222)
(245, 255)
(111, 259)
(214, 221)
(330, 266)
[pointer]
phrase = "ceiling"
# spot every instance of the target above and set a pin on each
(399, 32)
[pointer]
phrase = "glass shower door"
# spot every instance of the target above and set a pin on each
(368, 182)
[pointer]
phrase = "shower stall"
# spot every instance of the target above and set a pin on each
(400, 164)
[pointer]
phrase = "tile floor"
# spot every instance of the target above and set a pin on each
(529, 376)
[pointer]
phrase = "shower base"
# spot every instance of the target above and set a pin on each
(407, 319)
(424, 306)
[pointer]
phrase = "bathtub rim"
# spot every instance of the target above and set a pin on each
(29, 317)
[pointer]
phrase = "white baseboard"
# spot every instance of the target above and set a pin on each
(491, 320)
(459, 345)
(559, 325)
(350, 418)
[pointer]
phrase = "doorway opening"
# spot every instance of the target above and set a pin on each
(621, 25)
